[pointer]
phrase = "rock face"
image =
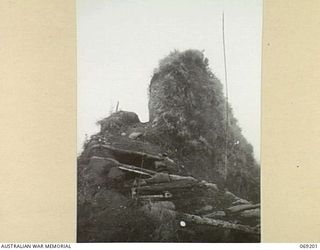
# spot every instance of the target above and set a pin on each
(166, 180)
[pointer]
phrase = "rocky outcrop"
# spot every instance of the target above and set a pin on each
(188, 115)
(166, 180)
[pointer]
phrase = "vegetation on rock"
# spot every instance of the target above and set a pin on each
(140, 181)
(188, 113)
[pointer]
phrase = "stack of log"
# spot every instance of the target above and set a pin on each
(166, 187)
(152, 183)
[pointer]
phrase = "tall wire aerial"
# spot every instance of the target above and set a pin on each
(227, 104)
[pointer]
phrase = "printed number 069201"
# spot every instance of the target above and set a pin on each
(308, 246)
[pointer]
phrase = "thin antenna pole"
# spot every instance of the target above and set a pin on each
(117, 106)
(227, 104)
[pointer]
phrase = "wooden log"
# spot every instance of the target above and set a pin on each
(162, 182)
(169, 185)
(156, 177)
(252, 213)
(136, 170)
(174, 177)
(217, 223)
(175, 182)
(216, 214)
(240, 208)
(240, 202)
(128, 152)
(130, 168)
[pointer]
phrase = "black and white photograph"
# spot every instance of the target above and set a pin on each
(168, 120)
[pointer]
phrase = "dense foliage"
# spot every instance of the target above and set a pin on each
(188, 112)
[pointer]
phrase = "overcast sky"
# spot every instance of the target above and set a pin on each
(120, 43)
